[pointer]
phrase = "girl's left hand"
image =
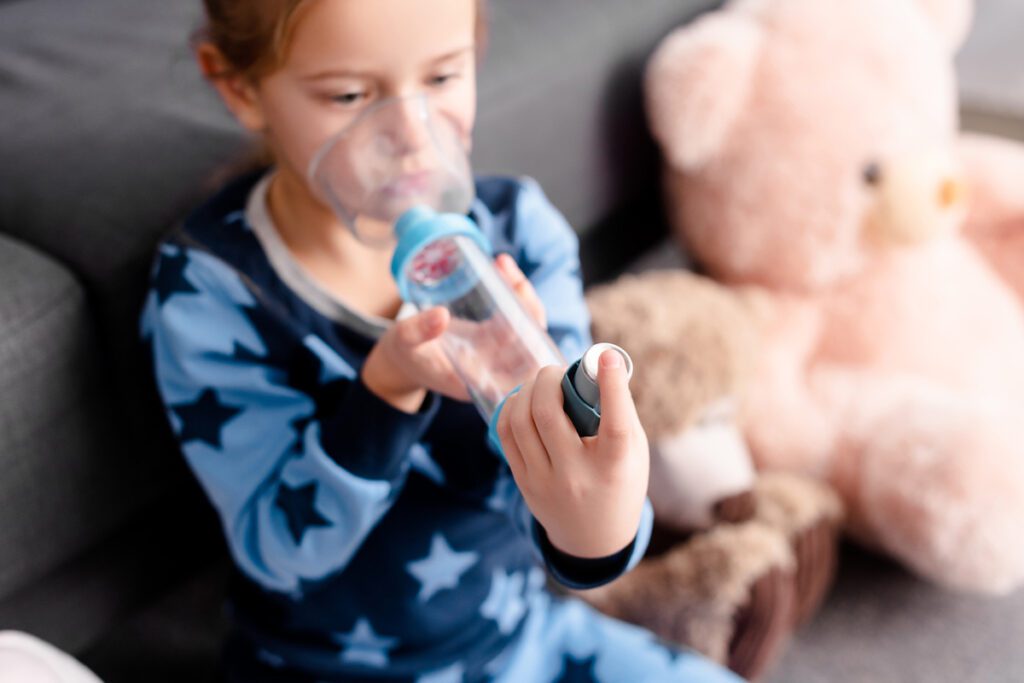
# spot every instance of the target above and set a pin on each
(514, 278)
(588, 493)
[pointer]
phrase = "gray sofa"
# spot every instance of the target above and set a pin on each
(107, 137)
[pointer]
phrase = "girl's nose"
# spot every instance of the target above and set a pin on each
(407, 128)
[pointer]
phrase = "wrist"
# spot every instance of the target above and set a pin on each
(586, 547)
(391, 386)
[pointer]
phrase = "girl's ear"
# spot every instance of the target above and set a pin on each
(238, 92)
(952, 18)
(697, 84)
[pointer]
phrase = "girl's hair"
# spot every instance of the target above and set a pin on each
(253, 35)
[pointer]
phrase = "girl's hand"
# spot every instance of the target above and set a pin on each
(588, 494)
(514, 278)
(408, 360)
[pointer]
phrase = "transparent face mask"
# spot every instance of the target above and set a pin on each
(400, 153)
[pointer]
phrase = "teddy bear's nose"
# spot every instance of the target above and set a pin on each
(951, 192)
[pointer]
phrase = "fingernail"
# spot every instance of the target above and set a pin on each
(611, 359)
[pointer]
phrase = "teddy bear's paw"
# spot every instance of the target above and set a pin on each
(810, 515)
(727, 593)
(763, 625)
(945, 494)
(736, 509)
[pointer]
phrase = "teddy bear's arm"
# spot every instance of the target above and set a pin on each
(995, 223)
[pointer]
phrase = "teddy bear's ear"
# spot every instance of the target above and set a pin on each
(697, 83)
(951, 17)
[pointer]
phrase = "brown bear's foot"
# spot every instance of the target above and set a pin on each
(727, 593)
(809, 514)
(763, 624)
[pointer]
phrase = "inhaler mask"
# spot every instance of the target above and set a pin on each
(399, 153)
(399, 177)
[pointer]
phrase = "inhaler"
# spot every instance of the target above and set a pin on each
(399, 177)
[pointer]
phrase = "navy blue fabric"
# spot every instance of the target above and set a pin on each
(369, 543)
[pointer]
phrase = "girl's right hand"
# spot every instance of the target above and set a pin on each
(407, 361)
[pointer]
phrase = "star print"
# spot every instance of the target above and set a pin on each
(441, 569)
(299, 507)
(453, 674)
(170, 277)
(364, 646)
(236, 217)
(419, 456)
(333, 366)
(504, 489)
(527, 264)
(245, 354)
(505, 603)
(204, 419)
(578, 670)
(274, 660)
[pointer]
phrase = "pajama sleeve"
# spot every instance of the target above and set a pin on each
(297, 492)
(548, 253)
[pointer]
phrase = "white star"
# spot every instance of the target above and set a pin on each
(364, 646)
(452, 674)
(442, 568)
(505, 603)
(419, 456)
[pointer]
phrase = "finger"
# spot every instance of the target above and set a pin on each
(554, 427)
(525, 431)
(618, 413)
(518, 282)
(422, 327)
(508, 444)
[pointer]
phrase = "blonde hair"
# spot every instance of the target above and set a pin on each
(253, 35)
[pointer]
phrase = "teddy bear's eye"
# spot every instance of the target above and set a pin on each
(872, 173)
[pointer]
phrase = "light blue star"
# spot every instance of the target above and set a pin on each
(505, 603)
(442, 568)
(419, 457)
(452, 674)
(364, 646)
(332, 365)
(237, 217)
(274, 660)
(504, 490)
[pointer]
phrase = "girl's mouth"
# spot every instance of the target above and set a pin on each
(410, 184)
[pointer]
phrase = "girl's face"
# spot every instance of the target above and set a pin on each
(345, 55)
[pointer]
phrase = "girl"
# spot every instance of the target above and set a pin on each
(376, 536)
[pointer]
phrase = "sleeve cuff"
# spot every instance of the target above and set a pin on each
(369, 437)
(580, 573)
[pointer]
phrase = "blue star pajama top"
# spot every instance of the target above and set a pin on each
(372, 544)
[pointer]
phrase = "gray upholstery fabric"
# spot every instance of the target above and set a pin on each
(107, 137)
(989, 68)
(56, 492)
(561, 98)
(881, 624)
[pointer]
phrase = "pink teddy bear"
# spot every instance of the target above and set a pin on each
(813, 155)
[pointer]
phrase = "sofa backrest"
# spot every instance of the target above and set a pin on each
(108, 136)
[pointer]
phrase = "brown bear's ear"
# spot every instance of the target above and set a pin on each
(697, 83)
(951, 17)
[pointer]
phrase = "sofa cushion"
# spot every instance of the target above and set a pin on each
(57, 494)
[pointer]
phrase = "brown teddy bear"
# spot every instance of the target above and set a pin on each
(812, 150)
(737, 559)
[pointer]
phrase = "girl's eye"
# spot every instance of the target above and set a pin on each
(349, 98)
(442, 79)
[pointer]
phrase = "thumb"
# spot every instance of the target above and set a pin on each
(423, 327)
(618, 414)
